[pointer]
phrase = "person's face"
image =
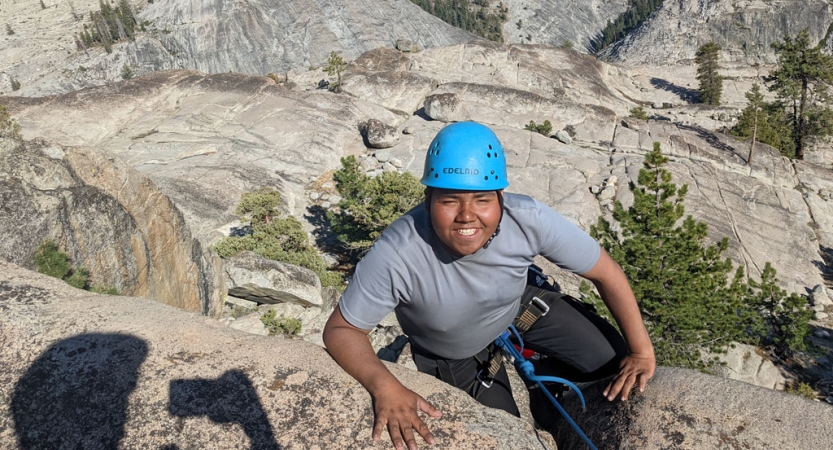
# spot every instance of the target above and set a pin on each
(464, 220)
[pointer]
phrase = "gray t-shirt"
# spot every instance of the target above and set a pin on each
(453, 306)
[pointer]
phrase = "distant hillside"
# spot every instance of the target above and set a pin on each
(643, 32)
(743, 28)
(41, 52)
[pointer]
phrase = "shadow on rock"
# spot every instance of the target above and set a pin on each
(228, 399)
(825, 266)
(323, 234)
(685, 94)
(712, 139)
(75, 395)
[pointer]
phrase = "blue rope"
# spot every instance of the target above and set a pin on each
(527, 370)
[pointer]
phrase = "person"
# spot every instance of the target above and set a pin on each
(455, 270)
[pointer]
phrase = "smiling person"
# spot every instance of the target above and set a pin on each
(456, 271)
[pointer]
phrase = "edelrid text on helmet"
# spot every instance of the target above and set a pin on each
(465, 156)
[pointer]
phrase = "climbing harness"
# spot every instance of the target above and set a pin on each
(527, 370)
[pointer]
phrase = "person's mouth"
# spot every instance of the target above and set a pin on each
(467, 231)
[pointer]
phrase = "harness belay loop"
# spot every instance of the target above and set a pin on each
(527, 370)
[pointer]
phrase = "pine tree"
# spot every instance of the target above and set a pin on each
(335, 66)
(764, 122)
(711, 83)
(801, 83)
(784, 321)
(755, 109)
(126, 18)
(687, 297)
(683, 285)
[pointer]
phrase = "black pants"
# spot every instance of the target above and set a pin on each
(576, 344)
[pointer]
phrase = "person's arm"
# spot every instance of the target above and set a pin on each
(395, 406)
(638, 367)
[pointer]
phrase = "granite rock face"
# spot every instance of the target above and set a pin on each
(108, 218)
(252, 277)
(554, 22)
(254, 37)
(206, 139)
(743, 28)
(88, 371)
(683, 408)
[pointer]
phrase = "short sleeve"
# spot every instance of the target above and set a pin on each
(565, 244)
(375, 288)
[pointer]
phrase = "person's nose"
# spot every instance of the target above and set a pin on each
(466, 213)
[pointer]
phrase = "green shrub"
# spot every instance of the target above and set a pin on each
(273, 237)
(126, 72)
(370, 204)
(8, 125)
(51, 261)
(280, 324)
(109, 290)
(544, 128)
(78, 278)
(638, 112)
(801, 389)
(15, 84)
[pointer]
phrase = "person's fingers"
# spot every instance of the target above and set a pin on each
(643, 381)
(407, 431)
(615, 387)
(626, 387)
(396, 435)
(423, 431)
(378, 426)
(428, 408)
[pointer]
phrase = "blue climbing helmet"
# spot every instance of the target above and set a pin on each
(465, 156)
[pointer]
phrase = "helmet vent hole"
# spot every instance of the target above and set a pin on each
(436, 175)
(495, 177)
(490, 146)
(486, 178)
(493, 172)
(488, 155)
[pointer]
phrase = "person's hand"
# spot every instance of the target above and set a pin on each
(634, 369)
(397, 409)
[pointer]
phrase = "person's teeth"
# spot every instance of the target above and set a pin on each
(466, 231)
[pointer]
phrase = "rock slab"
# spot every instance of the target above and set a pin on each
(685, 409)
(80, 370)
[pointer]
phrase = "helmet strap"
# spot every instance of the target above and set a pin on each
(497, 230)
